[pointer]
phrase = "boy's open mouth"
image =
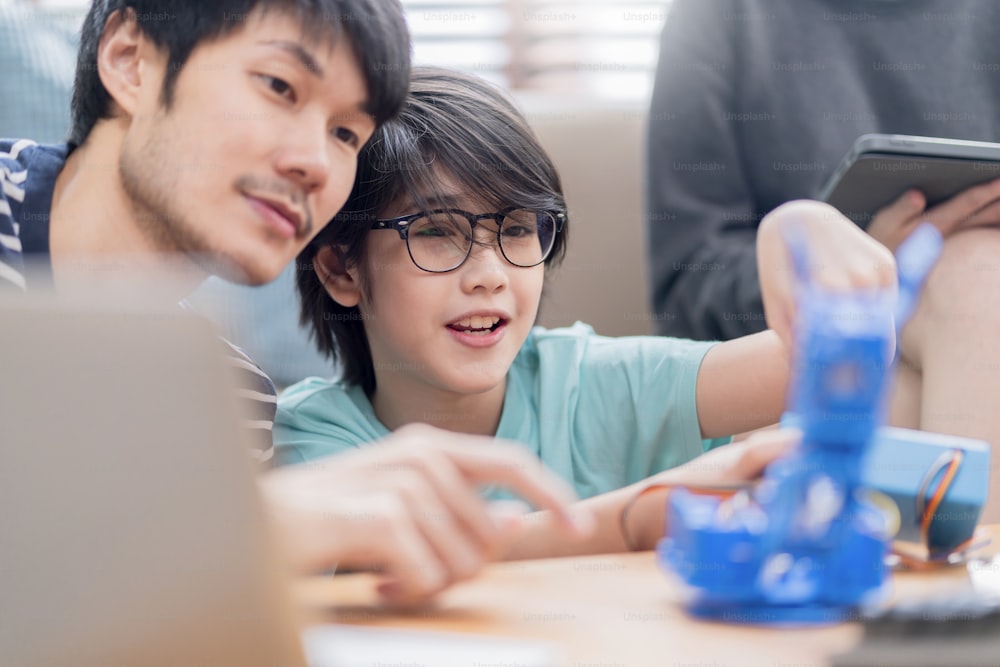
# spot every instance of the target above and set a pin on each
(478, 324)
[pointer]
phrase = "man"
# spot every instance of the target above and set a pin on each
(219, 138)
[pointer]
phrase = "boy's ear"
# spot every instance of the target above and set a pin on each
(341, 283)
(123, 60)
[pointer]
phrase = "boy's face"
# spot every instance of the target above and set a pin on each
(420, 325)
(256, 153)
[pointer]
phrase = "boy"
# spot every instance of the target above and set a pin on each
(428, 284)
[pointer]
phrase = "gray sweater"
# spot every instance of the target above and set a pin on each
(757, 101)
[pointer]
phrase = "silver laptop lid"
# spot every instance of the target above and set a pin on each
(131, 531)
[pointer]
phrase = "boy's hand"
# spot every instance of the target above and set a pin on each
(840, 257)
(736, 463)
(728, 466)
(410, 506)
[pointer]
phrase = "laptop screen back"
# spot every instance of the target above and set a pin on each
(131, 529)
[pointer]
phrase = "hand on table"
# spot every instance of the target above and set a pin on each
(409, 505)
(730, 465)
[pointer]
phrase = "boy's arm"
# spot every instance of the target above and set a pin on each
(646, 524)
(742, 384)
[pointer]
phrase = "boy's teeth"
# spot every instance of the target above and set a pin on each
(478, 322)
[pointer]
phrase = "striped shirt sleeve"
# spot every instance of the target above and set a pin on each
(256, 396)
(12, 178)
(257, 400)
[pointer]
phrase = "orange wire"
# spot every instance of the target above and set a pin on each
(938, 497)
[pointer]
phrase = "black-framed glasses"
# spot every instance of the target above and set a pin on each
(441, 240)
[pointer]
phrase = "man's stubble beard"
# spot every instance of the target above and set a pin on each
(150, 187)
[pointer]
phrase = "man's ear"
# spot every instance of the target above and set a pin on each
(122, 60)
(341, 283)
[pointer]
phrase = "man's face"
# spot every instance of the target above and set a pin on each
(256, 153)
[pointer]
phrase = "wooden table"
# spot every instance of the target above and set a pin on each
(617, 610)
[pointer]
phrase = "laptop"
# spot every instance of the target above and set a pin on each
(131, 531)
(131, 527)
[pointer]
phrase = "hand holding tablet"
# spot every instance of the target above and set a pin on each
(956, 184)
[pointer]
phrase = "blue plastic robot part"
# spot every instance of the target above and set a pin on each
(807, 545)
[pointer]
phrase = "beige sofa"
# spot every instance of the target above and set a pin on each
(598, 148)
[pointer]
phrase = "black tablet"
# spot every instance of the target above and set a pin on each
(881, 167)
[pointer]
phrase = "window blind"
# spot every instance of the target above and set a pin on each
(606, 48)
(602, 47)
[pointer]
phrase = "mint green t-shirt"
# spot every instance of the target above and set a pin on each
(600, 412)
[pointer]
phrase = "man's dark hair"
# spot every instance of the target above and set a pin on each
(375, 29)
(452, 124)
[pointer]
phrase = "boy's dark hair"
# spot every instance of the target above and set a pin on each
(452, 124)
(375, 29)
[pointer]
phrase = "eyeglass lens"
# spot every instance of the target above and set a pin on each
(441, 240)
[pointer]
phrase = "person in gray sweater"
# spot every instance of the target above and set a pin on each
(756, 102)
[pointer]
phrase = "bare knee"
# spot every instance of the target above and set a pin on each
(967, 274)
(961, 297)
